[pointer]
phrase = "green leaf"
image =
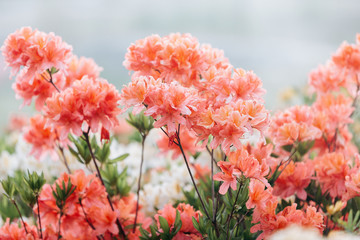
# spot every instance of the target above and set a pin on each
(144, 232)
(177, 224)
(119, 158)
(164, 225)
(153, 230)
(287, 148)
(304, 147)
(53, 70)
(196, 224)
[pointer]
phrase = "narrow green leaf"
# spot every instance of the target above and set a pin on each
(164, 225)
(120, 158)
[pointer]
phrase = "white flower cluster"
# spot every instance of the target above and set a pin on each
(295, 232)
(163, 180)
(22, 160)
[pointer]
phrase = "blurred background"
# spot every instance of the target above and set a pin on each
(280, 40)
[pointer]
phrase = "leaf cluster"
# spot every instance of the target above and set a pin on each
(164, 232)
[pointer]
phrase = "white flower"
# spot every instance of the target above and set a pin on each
(8, 163)
(295, 232)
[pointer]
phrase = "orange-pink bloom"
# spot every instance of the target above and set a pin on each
(227, 176)
(43, 139)
(258, 195)
(135, 92)
(294, 179)
(233, 121)
(77, 68)
(270, 222)
(87, 212)
(331, 170)
(170, 104)
(293, 125)
(347, 57)
(126, 207)
(14, 48)
(352, 181)
(12, 231)
(38, 89)
(35, 51)
(90, 102)
(174, 57)
(327, 78)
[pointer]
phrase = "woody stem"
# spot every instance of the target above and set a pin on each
(191, 176)
(86, 136)
(139, 181)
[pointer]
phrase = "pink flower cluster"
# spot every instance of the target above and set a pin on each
(12, 231)
(182, 83)
(88, 101)
(87, 212)
(35, 52)
(67, 89)
(42, 138)
(250, 162)
(293, 125)
(172, 57)
(267, 220)
(330, 162)
(342, 71)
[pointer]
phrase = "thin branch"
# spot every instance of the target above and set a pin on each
(22, 220)
(212, 184)
(38, 208)
(213, 194)
(59, 234)
(191, 176)
(87, 219)
(213, 159)
(50, 80)
(139, 181)
(64, 159)
(85, 215)
(86, 136)
(238, 222)
(356, 96)
(287, 163)
(232, 212)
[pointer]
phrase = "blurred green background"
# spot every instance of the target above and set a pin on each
(280, 40)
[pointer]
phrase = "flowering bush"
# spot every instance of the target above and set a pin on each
(235, 171)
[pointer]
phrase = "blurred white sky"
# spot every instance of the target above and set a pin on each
(280, 40)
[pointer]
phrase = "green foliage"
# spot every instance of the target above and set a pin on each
(35, 182)
(237, 226)
(102, 153)
(314, 193)
(165, 232)
(119, 158)
(7, 209)
(135, 137)
(16, 191)
(9, 187)
(82, 152)
(352, 224)
(52, 71)
(115, 182)
(304, 147)
(141, 122)
(61, 194)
